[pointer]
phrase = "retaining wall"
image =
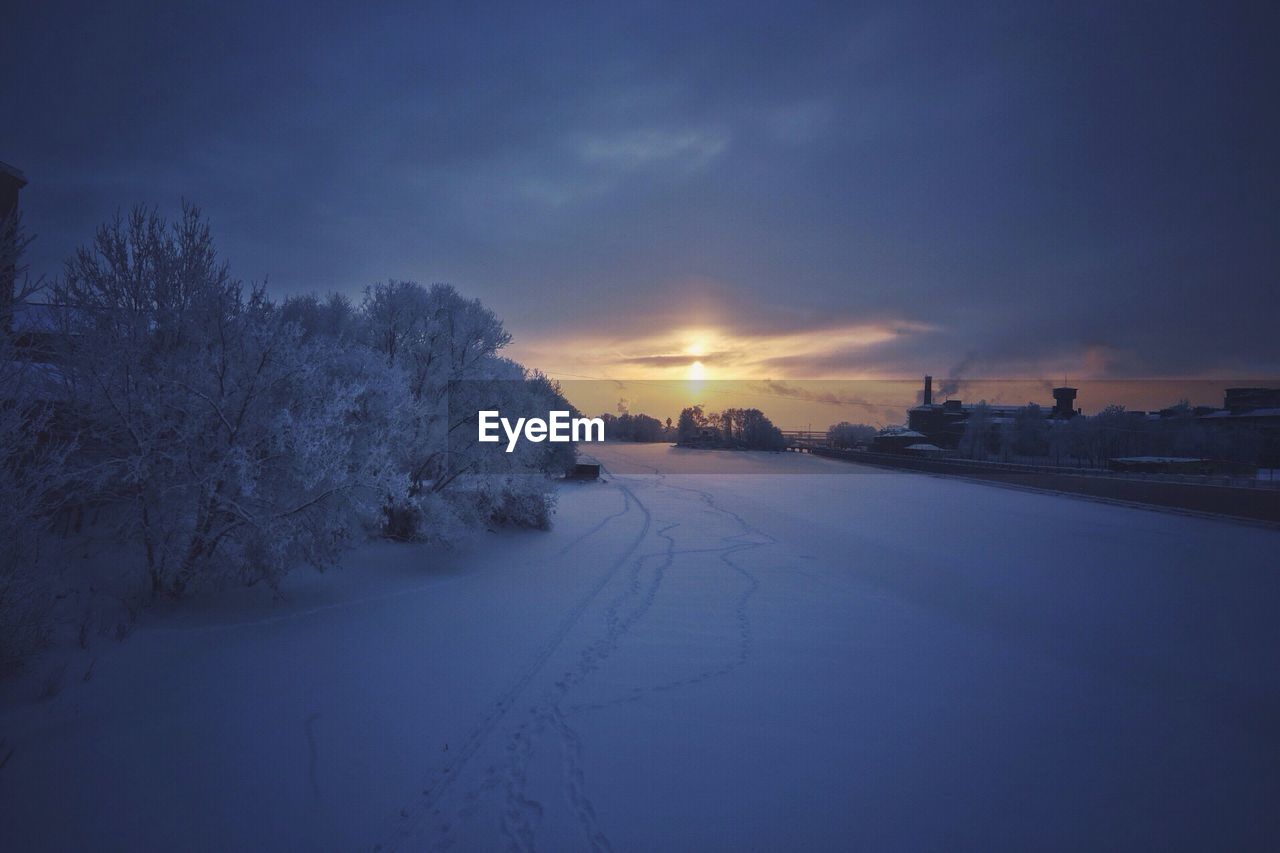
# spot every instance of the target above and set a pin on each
(1256, 503)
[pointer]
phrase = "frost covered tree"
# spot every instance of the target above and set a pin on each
(845, 434)
(980, 432)
(33, 474)
(446, 350)
(1028, 435)
(218, 425)
(230, 438)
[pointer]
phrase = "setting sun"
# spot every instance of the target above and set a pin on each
(697, 371)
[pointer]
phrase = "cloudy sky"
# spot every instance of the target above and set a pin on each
(783, 192)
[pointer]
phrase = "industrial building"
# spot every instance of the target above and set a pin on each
(943, 423)
(1251, 414)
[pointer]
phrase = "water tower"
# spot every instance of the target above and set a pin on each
(1064, 402)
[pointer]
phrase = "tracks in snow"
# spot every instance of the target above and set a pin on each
(431, 822)
(413, 817)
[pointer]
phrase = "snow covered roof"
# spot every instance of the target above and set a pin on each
(899, 431)
(924, 447)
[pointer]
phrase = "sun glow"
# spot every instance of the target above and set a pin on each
(711, 353)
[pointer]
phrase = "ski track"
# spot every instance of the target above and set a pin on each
(550, 718)
(414, 817)
(743, 619)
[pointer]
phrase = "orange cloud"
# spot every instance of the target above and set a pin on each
(723, 353)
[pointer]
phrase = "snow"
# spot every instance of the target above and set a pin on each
(777, 652)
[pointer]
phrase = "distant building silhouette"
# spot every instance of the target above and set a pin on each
(1064, 401)
(1250, 411)
(1250, 417)
(943, 423)
(11, 182)
(1239, 401)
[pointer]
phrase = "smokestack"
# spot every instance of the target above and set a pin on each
(928, 390)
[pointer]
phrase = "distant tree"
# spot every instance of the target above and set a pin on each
(1029, 433)
(1115, 432)
(748, 429)
(691, 423)
(758, 432)
(641, 427)
(845, 434)
(980, 432)
(618, 427)
(647, 428)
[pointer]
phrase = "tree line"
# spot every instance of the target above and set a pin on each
(743, 429)
(641, 427)
(221, 435)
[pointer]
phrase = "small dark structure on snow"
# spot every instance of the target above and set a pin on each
(584, 471)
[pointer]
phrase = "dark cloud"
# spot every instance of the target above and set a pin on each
(1057, 187)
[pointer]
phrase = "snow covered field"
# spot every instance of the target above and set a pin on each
(776, 652)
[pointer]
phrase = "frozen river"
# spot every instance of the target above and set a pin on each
(772, 652)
